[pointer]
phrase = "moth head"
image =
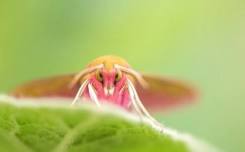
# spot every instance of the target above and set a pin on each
(108, 75)
(108, 82)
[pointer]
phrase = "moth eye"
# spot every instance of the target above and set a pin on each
(99, 76)
(118, 76)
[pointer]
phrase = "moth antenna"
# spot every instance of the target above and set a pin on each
(140, 106)
(84, 72)
(93, 95)
(80, 92)
(134, 73)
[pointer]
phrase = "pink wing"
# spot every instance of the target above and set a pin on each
(163, 93)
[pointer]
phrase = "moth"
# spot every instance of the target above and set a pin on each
(111, 79)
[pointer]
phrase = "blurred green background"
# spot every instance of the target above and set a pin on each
(198, 41)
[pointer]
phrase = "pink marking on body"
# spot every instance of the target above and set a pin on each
(120, 94)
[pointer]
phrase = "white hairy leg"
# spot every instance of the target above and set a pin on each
(139, 106)
(80, 92)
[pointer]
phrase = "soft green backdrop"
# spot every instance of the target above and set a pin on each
(199, 41)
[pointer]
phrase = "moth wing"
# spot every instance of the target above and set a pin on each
(162, 93)
(58, 86)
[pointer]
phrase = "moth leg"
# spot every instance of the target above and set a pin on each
(93, 95)
(137, 102)
(80, 92)
(135, 105)
(136, 108)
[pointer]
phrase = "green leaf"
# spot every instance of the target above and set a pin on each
(60, 129)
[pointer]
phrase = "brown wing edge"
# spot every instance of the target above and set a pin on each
(57, 86)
